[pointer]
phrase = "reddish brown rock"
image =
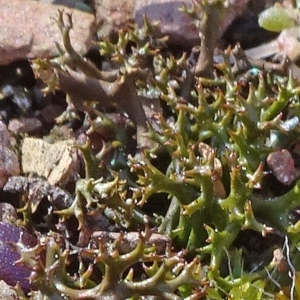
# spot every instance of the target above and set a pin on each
(172, 22)
(28, 29)
(35, 189)
(113, 15)
(9, 164)
(25, 125)
(283, 166)
(4, 135)
(180, 27)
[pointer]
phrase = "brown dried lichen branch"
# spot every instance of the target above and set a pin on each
(165, 272)
(84, 84)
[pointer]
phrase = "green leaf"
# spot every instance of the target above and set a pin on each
(276, 19)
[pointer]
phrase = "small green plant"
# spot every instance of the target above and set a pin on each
(215, 135)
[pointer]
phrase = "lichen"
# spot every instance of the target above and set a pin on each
(207, 158)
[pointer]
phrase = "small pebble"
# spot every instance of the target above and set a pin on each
(283, 167)
(4, 135)
(25, 125)
(9, 165)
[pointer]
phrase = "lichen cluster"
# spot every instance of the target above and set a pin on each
(205, 170)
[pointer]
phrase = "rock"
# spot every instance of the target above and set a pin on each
(19, 96)
(283, 166)
(4, 135)
(11, 272)
(28, 29)
(52, 111)
(96, 221)
(35, 189)
(119, 14)
(9, 164)
(179, 26)
(34, 31)
(113, 15)
(172, 22)
(8, 213)
(25, 125)
(129, 241)
(56, 162)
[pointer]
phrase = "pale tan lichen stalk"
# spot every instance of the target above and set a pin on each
(210, 33)
(207, 16)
